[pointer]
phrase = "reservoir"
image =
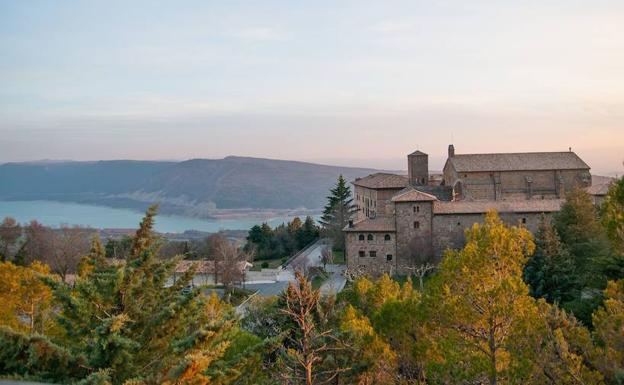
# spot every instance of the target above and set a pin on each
(56, 213)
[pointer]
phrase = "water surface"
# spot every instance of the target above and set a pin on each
(56, 213)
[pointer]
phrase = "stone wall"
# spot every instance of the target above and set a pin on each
(516, 185)
(449, 229)
(373, 202)
(414, 233)
(384, 248)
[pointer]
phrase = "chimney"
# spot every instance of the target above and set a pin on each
(451, 151)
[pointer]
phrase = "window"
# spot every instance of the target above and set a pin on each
(524, 220)
(372, 254)
(361, 237)
(389, 257)
(370, 237)
(416, 209)
(458, 223)
(387, 237)
(362, 254)
(417, 225)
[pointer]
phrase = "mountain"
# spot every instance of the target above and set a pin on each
(198, 187)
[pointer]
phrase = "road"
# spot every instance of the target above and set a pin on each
(312, 257)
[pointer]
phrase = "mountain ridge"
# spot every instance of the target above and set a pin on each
(195, 187)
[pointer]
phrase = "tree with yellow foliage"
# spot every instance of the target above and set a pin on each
(608, 323)
(26, 299)
(478, 298)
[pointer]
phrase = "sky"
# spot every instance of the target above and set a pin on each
(358, 83)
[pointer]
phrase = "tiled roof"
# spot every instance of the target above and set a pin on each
(382, 180)
(524, 161)
(418, 152)
(477, 207)
(410, 194)
(379, 224)
(600, 185)
(443, 193)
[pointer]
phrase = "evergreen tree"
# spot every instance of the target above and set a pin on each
(613, 215)
(337, 213)
(583, 235)
(129, 323)
(550, 271)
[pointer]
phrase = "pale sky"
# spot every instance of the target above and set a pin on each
(346, 82)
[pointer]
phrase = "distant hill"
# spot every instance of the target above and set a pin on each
(198, 187)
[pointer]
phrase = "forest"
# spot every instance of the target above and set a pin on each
(509, 307)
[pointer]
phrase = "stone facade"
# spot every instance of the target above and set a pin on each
(406, 221)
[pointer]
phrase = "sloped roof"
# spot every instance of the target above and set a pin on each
(418, 152)
(382, 180)
(410, 194)
(477, 207)
(522, 161)
(379, 224)
(600, 185)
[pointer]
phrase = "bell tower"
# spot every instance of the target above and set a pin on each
(418, 168)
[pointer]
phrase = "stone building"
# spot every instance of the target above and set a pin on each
(404, 221)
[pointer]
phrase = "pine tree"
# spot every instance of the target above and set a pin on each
(550, 271)
(337, 213)
(128, 322)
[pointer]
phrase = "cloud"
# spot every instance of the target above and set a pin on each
(258, 34)
(390, 26)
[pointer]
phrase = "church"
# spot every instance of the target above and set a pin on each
(403, 221)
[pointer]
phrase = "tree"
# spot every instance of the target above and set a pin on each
(326, 256)
(479, 299)
(372, 360)
(608, 322)
(550, 272)
(118, 248)
(307, 233)
(26, 300)
(38, 244)
(10, 232)
(582, 234)
(66, 247)
(307, 356)
(337, 213)
(124, 320)
(613, 215)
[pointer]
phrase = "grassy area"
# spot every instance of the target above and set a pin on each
(270, 264)
(318, 280)
(339, 257)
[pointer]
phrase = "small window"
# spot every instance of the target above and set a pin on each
(417, 225)
(372, 254)
(422, 181)
(361, 237)
(524, 220)
(387, 237)
(389, 257)
(458, 223)
(370, 237)
(416, 209)
(362, 254)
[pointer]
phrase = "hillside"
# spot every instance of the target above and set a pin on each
(198, 187)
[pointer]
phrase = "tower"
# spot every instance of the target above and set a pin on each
(418, 168)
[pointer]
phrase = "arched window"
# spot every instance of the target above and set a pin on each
(361, 237)
(370, 237)
(417, 225)
(387, 237)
